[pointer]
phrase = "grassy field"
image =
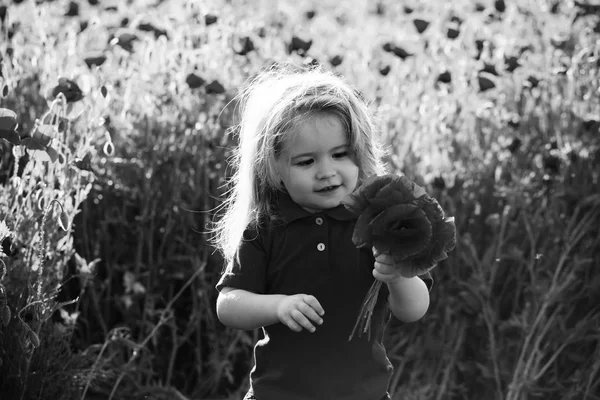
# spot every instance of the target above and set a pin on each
(126, 114)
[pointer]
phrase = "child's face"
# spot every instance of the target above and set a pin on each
(317, 167)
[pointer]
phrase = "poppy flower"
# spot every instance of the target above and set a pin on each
(194, 81)
(125, 40)
(485, 81)
(514, 145)
(149, 27)
(8, 126)
(398, 217)
(336, 60)
(38, 144)
(210, 19)
(385, 70)
(452, 33)
(215, 87)
(444, 77)
(396, 50)
(95, 59)
(243, 46)
(299, 45)
(69, 89)
(500, 5)
(73, 10)
(511, 63)
(420, 24)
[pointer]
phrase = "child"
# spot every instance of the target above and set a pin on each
(306, 141)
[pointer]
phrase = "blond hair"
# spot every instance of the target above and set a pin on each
(274, 104)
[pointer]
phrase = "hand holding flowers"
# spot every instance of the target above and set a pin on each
(398, 217)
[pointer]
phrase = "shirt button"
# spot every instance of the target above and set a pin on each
(320, 247)
(319, 221)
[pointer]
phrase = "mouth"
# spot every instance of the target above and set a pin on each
(327, 189)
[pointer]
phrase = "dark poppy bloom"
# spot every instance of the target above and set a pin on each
(69, 89)
(398, 217)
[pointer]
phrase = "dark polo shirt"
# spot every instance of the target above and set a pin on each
(314, 254)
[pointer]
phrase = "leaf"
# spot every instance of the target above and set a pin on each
(103, 91)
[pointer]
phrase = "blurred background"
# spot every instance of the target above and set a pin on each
(116, 123)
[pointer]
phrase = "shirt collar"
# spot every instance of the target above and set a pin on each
(290, 211)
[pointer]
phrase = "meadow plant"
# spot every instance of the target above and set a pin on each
(125, 114)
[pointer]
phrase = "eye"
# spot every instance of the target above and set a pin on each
(341, 154)
(304, 163)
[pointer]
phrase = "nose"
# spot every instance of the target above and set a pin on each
(326, 170)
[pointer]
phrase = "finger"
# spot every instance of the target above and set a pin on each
(387, 278)
(384, 268)
(314, 303)
(385, 258)
(302, 320)
(378, 275)
(310, 313)
(292, 324)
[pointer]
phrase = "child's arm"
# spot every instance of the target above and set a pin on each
(409, 297)
(242, 309)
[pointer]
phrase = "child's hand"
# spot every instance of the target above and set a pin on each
(297, 311)
(384, 268)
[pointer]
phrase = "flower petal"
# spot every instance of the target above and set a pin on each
(362, 233)
(402, 230)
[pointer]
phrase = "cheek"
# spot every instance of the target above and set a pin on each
(353, 174)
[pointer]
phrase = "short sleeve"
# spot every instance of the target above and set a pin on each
(428, 279)
(251, 270)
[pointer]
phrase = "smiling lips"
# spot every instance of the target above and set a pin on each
(328, 188)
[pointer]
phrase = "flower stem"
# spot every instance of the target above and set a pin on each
(363, 322)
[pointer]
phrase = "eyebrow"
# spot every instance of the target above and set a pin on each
(310, 154)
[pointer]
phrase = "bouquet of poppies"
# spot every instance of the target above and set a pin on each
(398, 217)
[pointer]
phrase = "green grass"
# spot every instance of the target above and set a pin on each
(122, 302)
